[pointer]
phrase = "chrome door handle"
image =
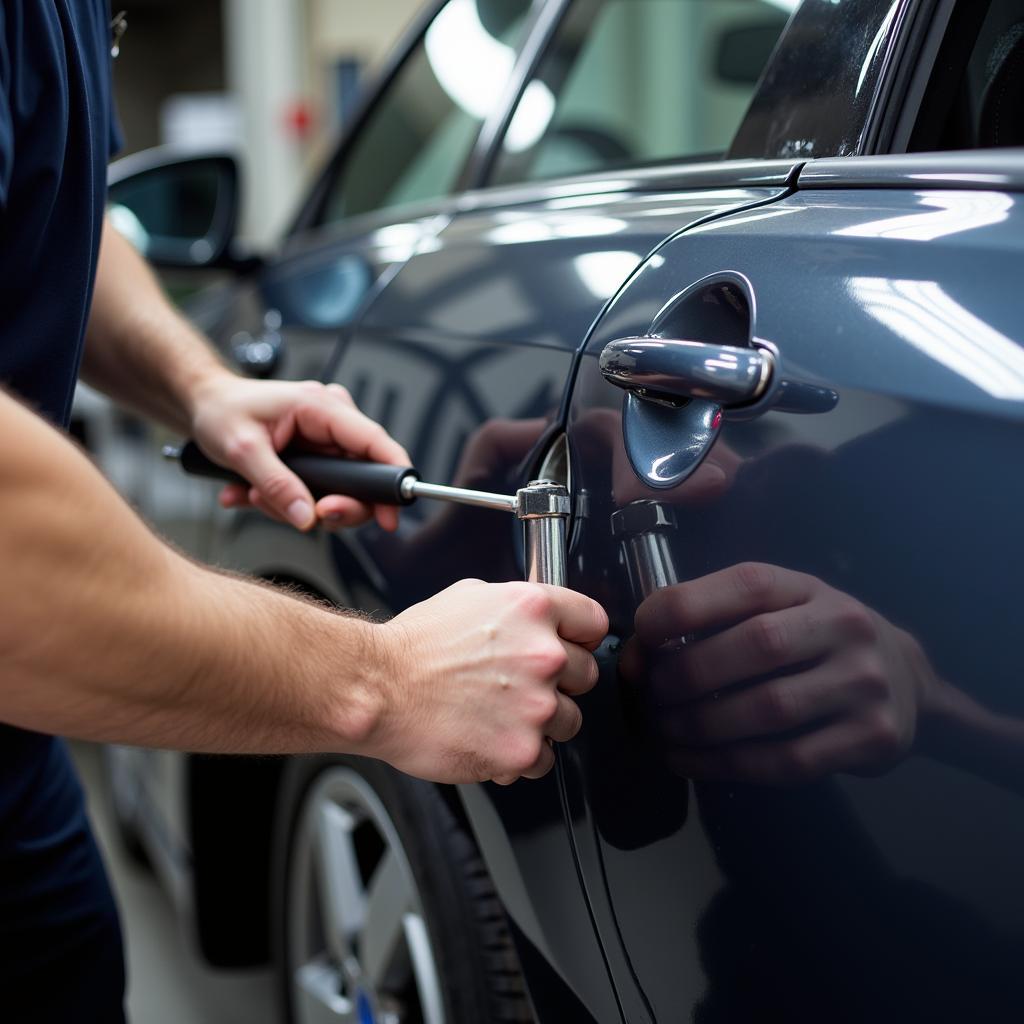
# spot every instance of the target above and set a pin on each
(670, 369)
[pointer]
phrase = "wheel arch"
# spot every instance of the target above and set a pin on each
(232, 804)
(231, 814)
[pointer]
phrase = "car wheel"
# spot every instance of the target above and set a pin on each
(383, 912)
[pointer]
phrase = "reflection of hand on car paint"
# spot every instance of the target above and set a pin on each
(496, 447)
(792, 679)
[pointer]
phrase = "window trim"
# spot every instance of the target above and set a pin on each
(680, 177)
(898, 46)
(969, 169)
(894, 112)
(549, 20)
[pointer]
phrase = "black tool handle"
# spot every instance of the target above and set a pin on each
(372, 482)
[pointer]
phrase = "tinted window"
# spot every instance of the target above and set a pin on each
(976, 96)
(818, 91)
(421, 130)
(638, 81)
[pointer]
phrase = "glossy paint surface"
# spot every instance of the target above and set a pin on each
(466, 358)
(799, 785)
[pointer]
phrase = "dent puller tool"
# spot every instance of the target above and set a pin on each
(542, 506)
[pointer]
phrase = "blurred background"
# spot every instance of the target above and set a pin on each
(273, 80)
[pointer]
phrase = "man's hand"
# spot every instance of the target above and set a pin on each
(143, 353)
(482, 678)
(797, 681)
(243, 424)
(109, 635)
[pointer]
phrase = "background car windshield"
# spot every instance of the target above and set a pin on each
(637, 81)
(419, 134)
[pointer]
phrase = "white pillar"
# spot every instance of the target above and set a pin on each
(264, 44)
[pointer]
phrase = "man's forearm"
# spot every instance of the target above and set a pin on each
(139, 349)
(107, 634)
(142, 353)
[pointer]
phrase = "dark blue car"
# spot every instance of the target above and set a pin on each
(748, 278)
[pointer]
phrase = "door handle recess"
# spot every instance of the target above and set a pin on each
(670, 369)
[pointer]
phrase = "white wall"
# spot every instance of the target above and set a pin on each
(365, 29)
(279, 53)
(264, 71)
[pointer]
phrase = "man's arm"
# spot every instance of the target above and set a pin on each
(144, 354)
(107, 634)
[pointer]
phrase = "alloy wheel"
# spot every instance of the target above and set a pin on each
(358, 946)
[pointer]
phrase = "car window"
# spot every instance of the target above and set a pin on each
(976, 96)
(626, 82)
(818, 92)
(420, 131)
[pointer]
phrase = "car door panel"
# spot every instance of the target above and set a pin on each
(879, 883)
(481, 326)
(466, 357)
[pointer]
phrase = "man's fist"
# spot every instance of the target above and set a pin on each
(482, 677)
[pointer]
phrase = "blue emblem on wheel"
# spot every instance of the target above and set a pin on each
(366, 1014)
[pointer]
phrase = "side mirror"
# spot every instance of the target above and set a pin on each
(179, 211)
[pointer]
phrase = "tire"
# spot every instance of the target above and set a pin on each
(406, 878)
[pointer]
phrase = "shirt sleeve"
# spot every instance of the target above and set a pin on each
(6, 125)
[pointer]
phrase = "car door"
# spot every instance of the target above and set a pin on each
(467, 354)
(797, 795)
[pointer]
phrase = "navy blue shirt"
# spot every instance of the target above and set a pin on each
(60, 946)
(57, 133)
